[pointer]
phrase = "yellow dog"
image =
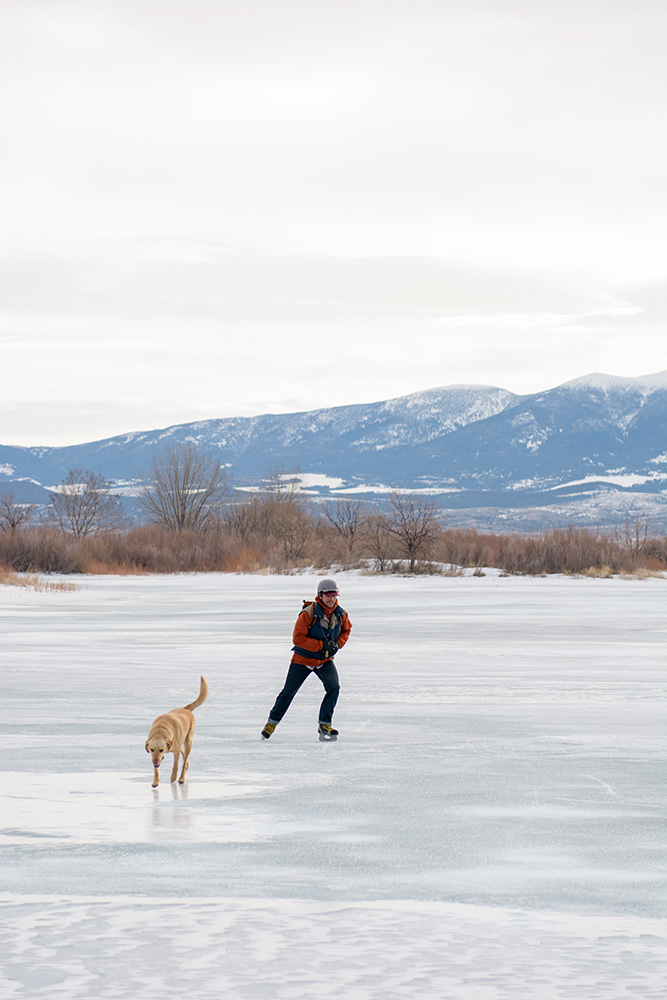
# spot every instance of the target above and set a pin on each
(173, 733)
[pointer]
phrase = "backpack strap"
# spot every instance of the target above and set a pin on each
(309, 606)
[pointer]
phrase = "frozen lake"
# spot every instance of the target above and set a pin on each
(489, 825)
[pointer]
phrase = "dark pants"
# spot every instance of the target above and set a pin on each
(296, 675)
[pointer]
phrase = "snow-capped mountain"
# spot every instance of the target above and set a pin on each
(591, 449)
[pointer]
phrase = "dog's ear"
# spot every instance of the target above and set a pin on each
(147, 750)
(169, 745)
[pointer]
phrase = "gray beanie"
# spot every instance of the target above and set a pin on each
(326, 584)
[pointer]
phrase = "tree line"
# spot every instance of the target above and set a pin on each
(188, 490)
(195, 520)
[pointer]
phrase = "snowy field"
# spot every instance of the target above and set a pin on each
(489, 825)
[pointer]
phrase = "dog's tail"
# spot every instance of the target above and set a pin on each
(201, 697)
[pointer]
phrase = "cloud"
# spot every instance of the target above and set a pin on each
(518, 133)
(160, 334)
(167, 276)
(198, 200)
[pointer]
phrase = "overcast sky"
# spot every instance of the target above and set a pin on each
(218, 208)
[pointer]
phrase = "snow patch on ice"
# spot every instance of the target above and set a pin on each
(138, 948)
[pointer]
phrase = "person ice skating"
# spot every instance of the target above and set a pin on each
(321, 629)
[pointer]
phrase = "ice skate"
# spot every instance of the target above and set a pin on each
(326, 732)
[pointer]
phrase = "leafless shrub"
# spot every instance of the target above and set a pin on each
(277, 519)
(283, 536)
(563, 550)
(40, 549)
(634, 535)
(465, 547)
(570, 550)
(421, 567)
(286, 524)
(157, 549)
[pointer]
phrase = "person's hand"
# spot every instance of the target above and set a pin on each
(329, 648)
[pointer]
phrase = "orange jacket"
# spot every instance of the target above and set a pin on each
(301, 638)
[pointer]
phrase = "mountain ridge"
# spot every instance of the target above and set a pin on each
(472, 447)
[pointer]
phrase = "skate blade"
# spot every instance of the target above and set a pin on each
(327, 739)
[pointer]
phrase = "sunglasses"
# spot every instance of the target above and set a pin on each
(330, 593)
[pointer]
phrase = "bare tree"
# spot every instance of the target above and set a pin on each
(347, 516)
(377, 539)
(413, 521)
(84, 505)
(186, 488)
(284, 487)
(13, 513)
(241, 517)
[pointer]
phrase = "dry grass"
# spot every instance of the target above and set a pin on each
(55, 586)
(33, 581)
(644, 574)
(600, 572)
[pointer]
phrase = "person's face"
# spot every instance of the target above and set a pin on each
(329, 597)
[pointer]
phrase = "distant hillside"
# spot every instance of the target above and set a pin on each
(593, 450)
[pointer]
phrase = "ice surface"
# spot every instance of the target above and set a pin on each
(489, 825)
